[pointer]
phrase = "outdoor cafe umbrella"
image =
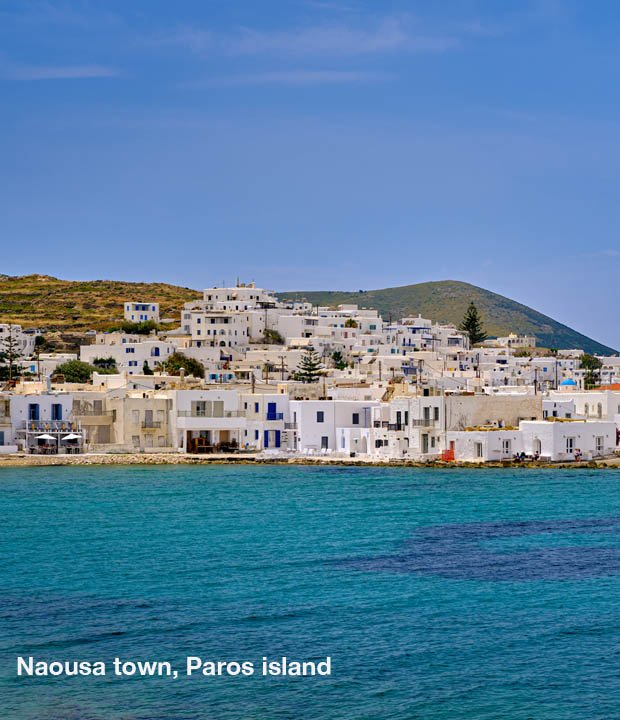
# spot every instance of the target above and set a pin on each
(72, 436)
(45, 436)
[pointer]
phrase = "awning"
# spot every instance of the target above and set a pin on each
(45, 436)
(72, 436)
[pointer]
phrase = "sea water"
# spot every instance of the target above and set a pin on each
(434, 593)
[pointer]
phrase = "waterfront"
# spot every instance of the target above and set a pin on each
(437, 593)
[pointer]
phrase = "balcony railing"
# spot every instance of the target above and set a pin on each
(91, 412)
(151, 424)
(47, 425)
(290, 426)
(422, 422)
(275, 416)
(197, 414)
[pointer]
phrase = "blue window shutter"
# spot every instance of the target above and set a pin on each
(266, 438)
(277, 438)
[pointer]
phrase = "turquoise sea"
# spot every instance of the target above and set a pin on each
(437, 594)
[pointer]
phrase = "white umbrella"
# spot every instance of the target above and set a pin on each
(45, 437)
(72, 436)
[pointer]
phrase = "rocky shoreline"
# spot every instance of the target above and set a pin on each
(22, 460)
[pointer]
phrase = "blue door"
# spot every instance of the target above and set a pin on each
(266, 438)
(271, 411)
(33, 411)
(277, 438)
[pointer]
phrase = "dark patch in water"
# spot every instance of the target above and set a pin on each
(458, 552)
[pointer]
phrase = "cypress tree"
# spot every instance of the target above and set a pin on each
(472, 325)
(309, 368)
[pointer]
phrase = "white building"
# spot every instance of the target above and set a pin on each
(141, 311)
(318, 424)
(559, 441)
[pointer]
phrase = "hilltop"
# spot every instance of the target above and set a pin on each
(446, 301)
(46, 302)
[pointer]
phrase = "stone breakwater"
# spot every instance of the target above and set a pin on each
(20, 460)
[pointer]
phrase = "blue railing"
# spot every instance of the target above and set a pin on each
(275, 416)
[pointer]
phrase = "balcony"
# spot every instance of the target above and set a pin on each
(151, 424)
(290, 426)
(196, 414)
(423, 422)
(91, 412)
(47, 425)
(274, 416)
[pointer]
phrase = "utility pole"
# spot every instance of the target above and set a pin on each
(281, 367)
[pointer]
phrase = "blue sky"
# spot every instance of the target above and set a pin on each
(312, 144)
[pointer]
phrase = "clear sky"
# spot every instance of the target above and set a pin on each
(317, 144)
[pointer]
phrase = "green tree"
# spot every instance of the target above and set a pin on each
(10, 353)
(350, 323)
(338, 360)
(135, 328)
(472, 325)
(273, 337)
(146, 370)
(591, 364)
(75, 371)
(177, 361)
(310, 368)
(107, 366)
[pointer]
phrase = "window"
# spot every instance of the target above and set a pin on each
(1, 437)
(255, 407)
(355, 420)
(478, 449)
(436, 413)
(545, 414)
(135, 441)
(135, 416)
(56, 411)
(324, 442)
(161, 441)
(320, 416)
(255, 434)
(600, 444)
(570, 445)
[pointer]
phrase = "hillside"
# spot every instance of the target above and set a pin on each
(75, 306)
(446, 301)
(45, 302)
